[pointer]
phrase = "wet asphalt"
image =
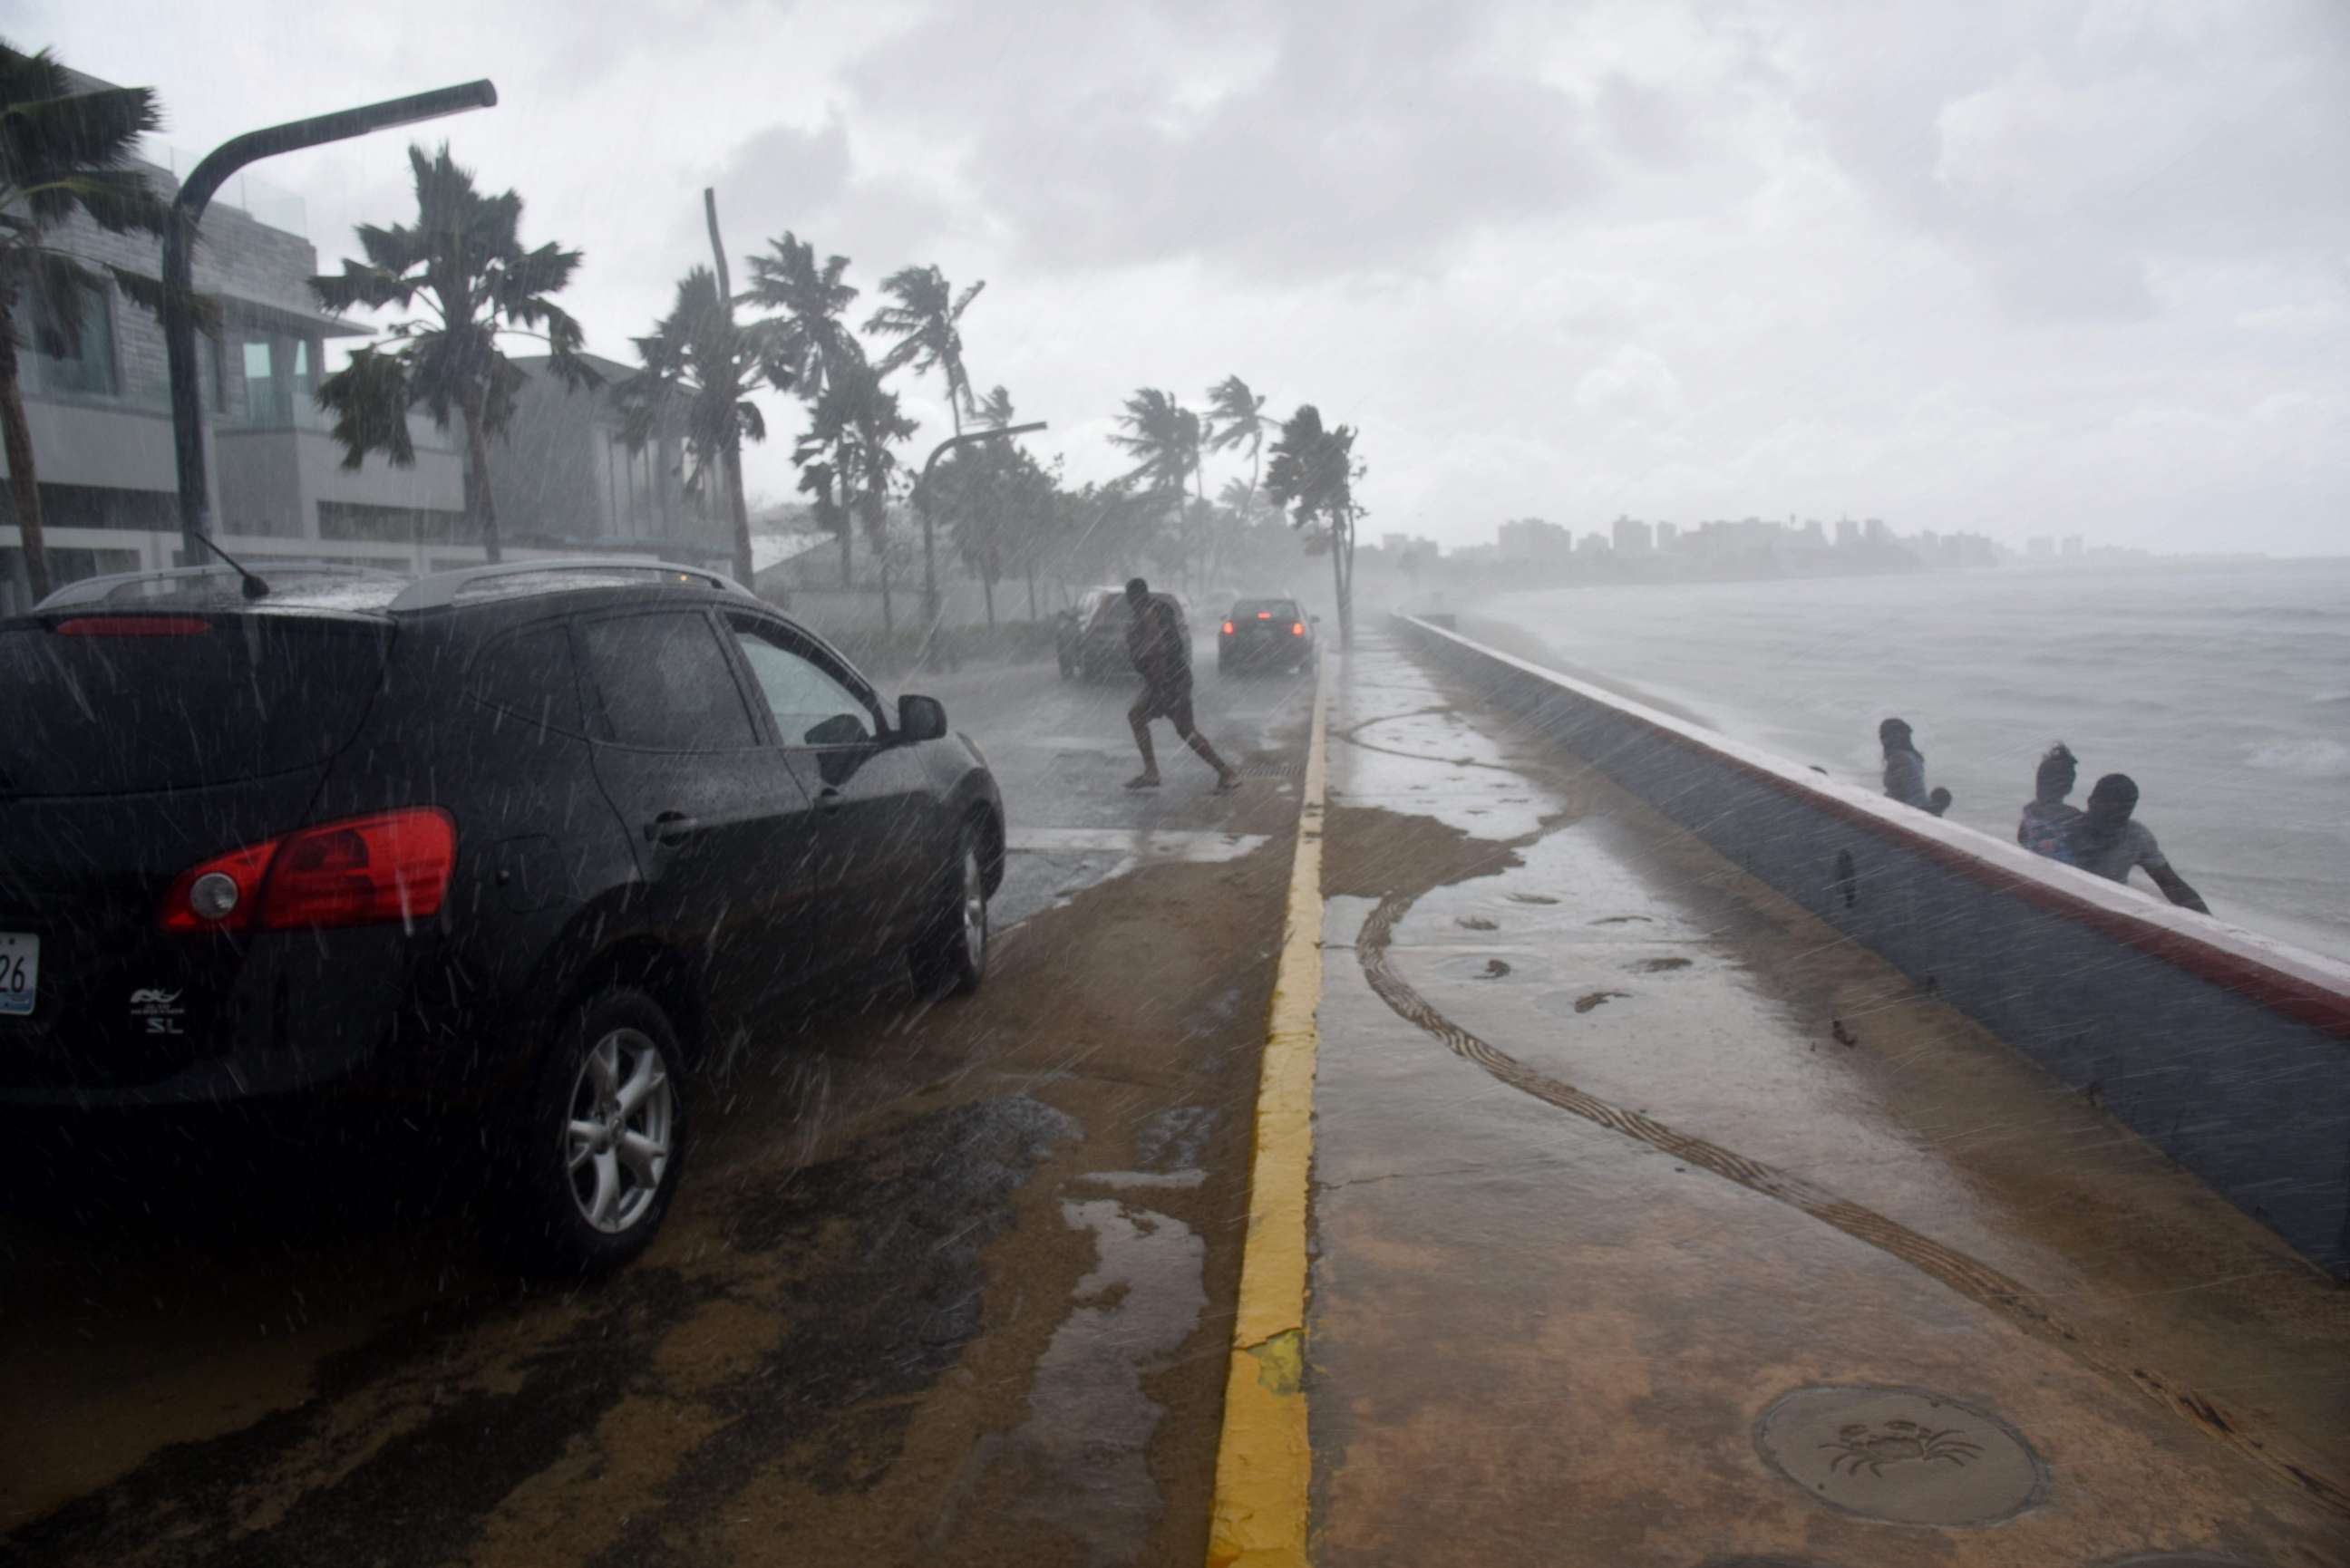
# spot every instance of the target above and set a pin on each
(1654, 1224)
(945, 1282)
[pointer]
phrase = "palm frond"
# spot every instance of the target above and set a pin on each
(369, 399)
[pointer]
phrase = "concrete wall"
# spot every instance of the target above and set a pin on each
(2228, 1050)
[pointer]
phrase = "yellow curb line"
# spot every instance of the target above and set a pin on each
(1264, 1465)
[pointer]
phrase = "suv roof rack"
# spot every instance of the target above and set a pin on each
(114, 585)
(443, 589)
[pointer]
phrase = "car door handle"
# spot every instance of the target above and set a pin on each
(669, 827)
(827, 799)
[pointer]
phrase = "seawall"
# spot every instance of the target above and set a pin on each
(2228, 1050)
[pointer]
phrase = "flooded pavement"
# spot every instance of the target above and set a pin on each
(945, 1282)
(1656, 1224)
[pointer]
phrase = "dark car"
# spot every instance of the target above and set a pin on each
(1266, 634)
(519, 846)
(1090, 639)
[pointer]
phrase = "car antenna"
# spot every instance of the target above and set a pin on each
(255, 589)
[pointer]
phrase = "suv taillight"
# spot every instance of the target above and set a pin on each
(392, 865)
(1228, 628)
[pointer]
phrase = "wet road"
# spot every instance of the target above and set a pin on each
(1658, 1225)
(944, 1282)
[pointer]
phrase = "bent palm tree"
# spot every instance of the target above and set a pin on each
(810, 334)
(61, 152)
(1165, 436)
(1313, 474)
(699, 353)
(859, 419)
(1236, 417)
(924, 322)
(463, 261)
(816, 343)
(992, 412)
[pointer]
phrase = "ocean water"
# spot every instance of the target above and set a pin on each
(2223, 689)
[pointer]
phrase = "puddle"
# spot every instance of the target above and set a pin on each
(1660, 965)
(1089, 1423)
(1193, 846)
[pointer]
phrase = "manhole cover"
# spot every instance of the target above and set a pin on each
(1900, 1454)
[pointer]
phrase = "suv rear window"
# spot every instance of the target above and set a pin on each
(1278, 609)
(114, 703)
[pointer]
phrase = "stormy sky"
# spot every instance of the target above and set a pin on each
(2050, 266)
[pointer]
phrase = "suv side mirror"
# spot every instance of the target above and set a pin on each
(921, 718)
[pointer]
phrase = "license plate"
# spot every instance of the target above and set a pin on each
(20, 974)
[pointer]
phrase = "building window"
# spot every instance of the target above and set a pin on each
(89, 370)
(279, 383)
(357, 521)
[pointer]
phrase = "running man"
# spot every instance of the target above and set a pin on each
(1155, 640)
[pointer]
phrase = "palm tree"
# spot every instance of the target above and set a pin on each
(992, 412)
(815, 342)
(463, 261)
(61, 152)
(1166, 437)
(1313, 475)
(700, 355)
(810, 300)
(1236, 417)
(859, 419)
(924, 322)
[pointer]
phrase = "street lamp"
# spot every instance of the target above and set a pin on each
(922, 505)
(178, 243)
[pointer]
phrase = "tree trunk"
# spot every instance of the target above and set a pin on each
(1032, 593)
(23, 483)
(1339, 581)
(987, 591)
(888, 618)
(479, 504)
(847, 532)
(741, 511)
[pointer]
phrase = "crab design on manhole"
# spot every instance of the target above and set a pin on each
(1897, 1442)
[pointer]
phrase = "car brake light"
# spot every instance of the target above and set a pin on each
(132, 626)
(392, 865)
(1228, 628)
(1264, 614)
(1297, 629)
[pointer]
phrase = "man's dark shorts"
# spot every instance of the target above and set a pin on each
(1169, 698)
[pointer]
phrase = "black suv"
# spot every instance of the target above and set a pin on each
(521, 844)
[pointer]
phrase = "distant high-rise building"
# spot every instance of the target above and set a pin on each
(1875, 532)
(1633, 537)
(1592, 545)
(1814, 534)
(2073, 545)
(1668, 536)
(1847, 533)
(1394, 543)
(2040, 547)
(1532, 539)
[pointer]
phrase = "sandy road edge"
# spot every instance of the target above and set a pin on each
(1264, 1465)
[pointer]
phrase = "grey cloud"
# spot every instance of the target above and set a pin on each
(1371, 142)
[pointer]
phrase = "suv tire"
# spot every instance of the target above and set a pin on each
(601, 1139)
(950, 956)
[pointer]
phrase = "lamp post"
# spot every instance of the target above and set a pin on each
(922, 505)
(179, 244)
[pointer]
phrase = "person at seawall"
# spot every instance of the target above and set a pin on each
(2047, 814)
(1904, 769)
(2107, 840)
(1155, 640)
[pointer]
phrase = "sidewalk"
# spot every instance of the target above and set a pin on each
(1653, 1224)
